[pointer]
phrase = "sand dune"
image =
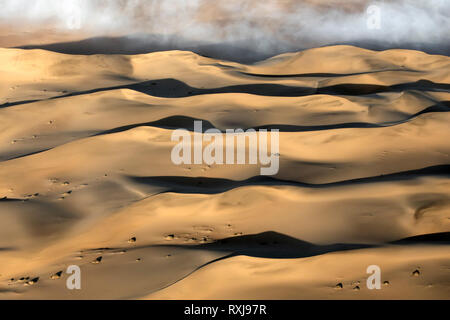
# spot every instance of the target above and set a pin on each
(86, 176)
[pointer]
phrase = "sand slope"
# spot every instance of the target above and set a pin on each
(85, 146)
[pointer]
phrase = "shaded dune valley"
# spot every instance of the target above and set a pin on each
(87, 179)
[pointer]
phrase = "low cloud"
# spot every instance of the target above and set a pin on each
(266, 27)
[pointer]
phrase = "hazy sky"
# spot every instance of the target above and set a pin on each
(267, 26)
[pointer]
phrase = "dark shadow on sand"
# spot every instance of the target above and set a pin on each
(178, 184)
(187, 123)
(272, 245)
(432, 238)
(172, 88)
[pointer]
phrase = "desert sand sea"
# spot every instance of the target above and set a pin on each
(86, 176)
